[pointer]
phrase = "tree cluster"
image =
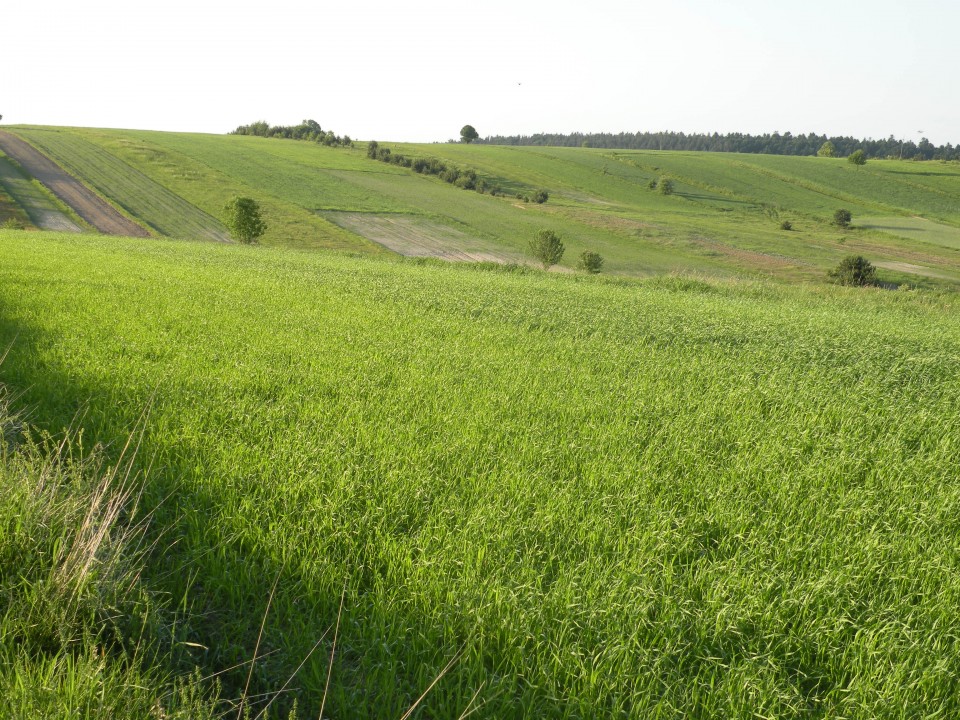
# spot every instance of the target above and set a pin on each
(769, 143)
(465, 178)
(309, 130)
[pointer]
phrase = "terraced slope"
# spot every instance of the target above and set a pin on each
(68, 189)
(25, 199)
(144, 198)
(723, 218)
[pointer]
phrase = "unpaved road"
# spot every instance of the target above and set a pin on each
(74, 193)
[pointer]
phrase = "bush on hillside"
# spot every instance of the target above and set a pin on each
(854, 270)
(590, 261)
(842, 218)
(547, 247)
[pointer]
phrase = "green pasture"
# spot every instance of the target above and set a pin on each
(722, 220)
(598, 497)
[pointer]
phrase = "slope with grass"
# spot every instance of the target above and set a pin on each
(26, 201)
(723, 218)
(601, 497)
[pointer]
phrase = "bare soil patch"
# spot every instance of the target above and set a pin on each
(913, 269)
(71, 191)
(418, 237)
(38, 206)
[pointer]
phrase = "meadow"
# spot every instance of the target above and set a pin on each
(723, 219)
(596, 497)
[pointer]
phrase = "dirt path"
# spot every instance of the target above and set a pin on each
(74, 193)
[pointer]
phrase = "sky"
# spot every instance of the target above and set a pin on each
(419, 70)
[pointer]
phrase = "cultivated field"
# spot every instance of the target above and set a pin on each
(723, 220)
(598, 497)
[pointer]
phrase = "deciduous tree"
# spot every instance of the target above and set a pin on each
(242, 217)
(468, 134)
(857, 157)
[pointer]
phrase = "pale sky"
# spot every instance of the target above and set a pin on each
(419, 70)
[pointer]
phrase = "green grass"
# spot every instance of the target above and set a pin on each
(613, 498)
(79, 632)
(722, 221)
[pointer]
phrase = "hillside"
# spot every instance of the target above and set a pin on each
(598, 497)
(723, 219)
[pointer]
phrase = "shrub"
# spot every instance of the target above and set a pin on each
(842, 218)
(854, 270)
(590, 261)
(540, 197)
(547, 247)
(665, 186)
(372, 147)
(786, 225)
(652, 184)
(14, 224)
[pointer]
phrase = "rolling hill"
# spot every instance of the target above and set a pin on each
(722, 220)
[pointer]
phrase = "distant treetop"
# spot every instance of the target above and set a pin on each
(770, 143)
(306, 130)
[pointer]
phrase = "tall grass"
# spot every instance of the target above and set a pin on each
(78, 630)
(607, 498)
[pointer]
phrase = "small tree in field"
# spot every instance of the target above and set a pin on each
(842, 218)
(827, 150)
(547, 247)
(855, 270)
(468, 134)
(242, 217)
(590, 261)
(857, 157)
(665, 186)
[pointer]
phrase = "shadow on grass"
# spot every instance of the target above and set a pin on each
(215, 584)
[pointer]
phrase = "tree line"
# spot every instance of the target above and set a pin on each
(309, 130)
(465, 178)
(769, 143)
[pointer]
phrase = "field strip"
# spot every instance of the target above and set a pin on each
(40, 209)
(915, 228)
(913, 269)
(151, 202)
(85, 203)
(417, 237)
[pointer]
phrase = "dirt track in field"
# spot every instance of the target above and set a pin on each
(71, 191)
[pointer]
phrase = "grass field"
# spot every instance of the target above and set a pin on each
(601, 497)
(723, 219)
